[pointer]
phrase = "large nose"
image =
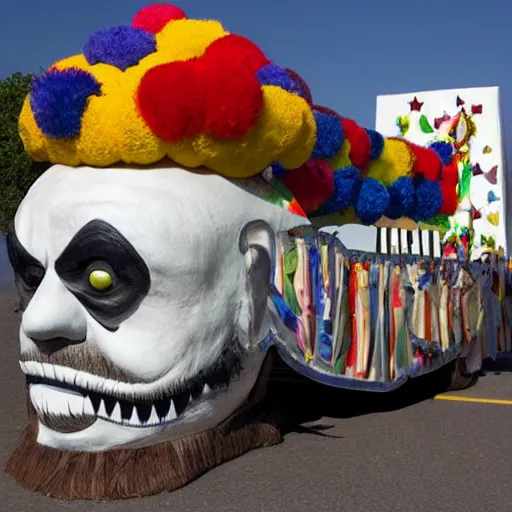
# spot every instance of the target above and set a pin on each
(54, 313)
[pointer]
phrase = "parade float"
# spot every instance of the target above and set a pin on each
(175, 245)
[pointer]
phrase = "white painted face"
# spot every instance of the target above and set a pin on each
(142, 314)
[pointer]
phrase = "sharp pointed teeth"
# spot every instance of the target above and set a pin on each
(171, 415)
(88, 408)
(102, 411)
(206, 389)
(116, 413)
(134, 420)
(153, 419)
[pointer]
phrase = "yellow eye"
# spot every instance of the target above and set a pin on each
(100, 280)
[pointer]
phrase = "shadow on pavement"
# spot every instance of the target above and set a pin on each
(300, 401)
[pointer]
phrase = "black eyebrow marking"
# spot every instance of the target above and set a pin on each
(100, 246)
(19, 257)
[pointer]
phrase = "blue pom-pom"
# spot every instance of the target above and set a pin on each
(376, 143)
(373, 201)
(444, 150)
(121, 46)
(402, 199)
(272, 74)
(429, 199)
(347, 182)
(329, 135)
(59, 99)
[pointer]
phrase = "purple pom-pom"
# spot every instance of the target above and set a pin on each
(444, 150)
(122, 46)
(402, 199)
(376, 143)
(299, 86)
(429, 199)
(59, 99)
(272, 74)
(373, 201)
(329, 135)
(347, 183)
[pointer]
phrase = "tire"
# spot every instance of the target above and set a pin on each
(459, 378)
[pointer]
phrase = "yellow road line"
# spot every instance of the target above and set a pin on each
(454, 398)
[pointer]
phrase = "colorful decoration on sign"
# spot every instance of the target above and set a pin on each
(463, 136)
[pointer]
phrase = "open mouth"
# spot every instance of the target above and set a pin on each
(68, 408)
(67, 400)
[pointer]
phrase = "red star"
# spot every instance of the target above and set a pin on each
(415, 105)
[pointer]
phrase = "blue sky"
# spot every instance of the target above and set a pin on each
(349, 52)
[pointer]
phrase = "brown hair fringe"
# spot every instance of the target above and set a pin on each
(131, 473)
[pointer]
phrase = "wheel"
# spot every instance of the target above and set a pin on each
(459, 378)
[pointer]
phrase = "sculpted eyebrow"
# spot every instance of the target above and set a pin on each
(99, 240)
(18, 255)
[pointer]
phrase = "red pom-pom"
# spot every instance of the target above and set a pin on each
(233, 99)
(360, 144)
(311, 184)
(426, 162)
(153, 18)
(236, 51)
(170, 99)
(450, 199)
(450, 174)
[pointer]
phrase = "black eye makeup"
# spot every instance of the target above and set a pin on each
(105, 273)
(28, 271)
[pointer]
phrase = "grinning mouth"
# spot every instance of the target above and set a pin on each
(67, 401)
(84, 407)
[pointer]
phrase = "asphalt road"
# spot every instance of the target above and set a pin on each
(401, 452)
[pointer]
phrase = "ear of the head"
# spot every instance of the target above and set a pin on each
(258, 246)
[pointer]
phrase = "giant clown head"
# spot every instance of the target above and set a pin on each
(143, 257)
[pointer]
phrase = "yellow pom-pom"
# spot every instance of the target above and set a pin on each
(395, 161)
(30, 134)
(76, 61)
(187, 39)
(99, 141)
(341, 158)
(285, 132)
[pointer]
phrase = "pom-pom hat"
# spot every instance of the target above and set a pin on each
(189, 91)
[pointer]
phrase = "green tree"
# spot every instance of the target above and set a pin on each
(17, 170)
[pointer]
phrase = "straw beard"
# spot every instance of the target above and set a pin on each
(137, 472)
